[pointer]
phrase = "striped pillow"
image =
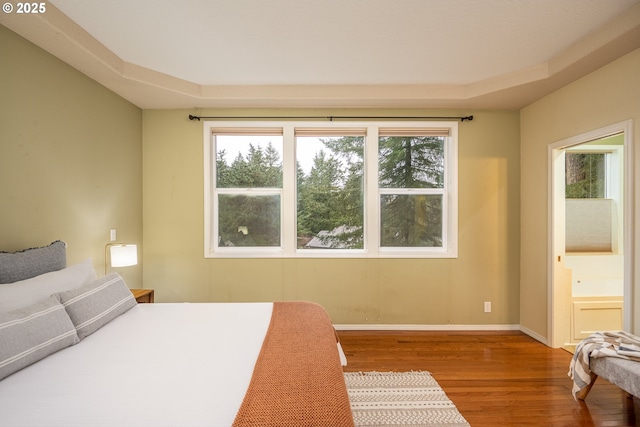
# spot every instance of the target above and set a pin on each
(32, 333)
(92, 306)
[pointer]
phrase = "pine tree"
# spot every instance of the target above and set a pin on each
(411, 162)
(330, 197)
(258, 216)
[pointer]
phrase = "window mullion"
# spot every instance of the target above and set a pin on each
(289, 208)
(450, 199)
(371, 196)
(249, 191)
(210, 214)
(412, 191)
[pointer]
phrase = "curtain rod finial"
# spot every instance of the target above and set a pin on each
(192, 117)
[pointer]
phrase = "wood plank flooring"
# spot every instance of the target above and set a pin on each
(494, 378)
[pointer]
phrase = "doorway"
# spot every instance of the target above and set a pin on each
(590, 244)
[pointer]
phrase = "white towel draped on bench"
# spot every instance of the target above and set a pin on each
(600, 344)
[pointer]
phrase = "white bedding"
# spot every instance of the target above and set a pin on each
(140, 373)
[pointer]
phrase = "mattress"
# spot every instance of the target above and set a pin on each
(155, 365)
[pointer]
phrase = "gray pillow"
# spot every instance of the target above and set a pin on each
(32, 333)
(92, 306)
(28, 263)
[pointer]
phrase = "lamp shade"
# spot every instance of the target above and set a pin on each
(123, 255)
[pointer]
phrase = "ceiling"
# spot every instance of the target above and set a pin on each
(334, 53)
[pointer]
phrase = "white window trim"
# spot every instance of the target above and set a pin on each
(372, 249)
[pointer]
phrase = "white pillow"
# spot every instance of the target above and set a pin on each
(30, 291)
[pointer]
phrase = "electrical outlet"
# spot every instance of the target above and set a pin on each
(487, 306)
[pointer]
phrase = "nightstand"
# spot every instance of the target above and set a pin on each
(143, 295)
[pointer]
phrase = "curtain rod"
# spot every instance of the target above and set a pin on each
(331, 118)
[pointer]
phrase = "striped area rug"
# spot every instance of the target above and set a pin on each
(409, 399)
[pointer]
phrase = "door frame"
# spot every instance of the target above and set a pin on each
(556, 225)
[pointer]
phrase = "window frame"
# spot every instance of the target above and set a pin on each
(372, 193)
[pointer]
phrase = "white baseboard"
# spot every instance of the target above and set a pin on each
(534, 335)
(393, 327)
(412, 327)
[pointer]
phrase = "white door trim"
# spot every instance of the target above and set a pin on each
(625, 127)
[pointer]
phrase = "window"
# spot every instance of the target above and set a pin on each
(593, 197)
(331, 189)
(585, 175)
(248, 188)
(411, 182)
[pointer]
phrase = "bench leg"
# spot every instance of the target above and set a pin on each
(582, 394)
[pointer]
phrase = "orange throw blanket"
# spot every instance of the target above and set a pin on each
(298, 379)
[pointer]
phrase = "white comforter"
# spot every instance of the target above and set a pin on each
(156, 365)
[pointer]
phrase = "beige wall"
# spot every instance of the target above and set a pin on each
(354, 291)
(607, 96)
(70, 161)
(70, 158)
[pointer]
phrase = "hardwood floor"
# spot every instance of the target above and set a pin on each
(494, 378)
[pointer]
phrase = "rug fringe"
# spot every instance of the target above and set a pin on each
(387, 373)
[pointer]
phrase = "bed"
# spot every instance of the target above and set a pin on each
(184, 364)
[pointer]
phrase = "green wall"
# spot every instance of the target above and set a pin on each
(354, 291)
(605, 97)
(70, 158)
(80, 160)
(77, 160)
